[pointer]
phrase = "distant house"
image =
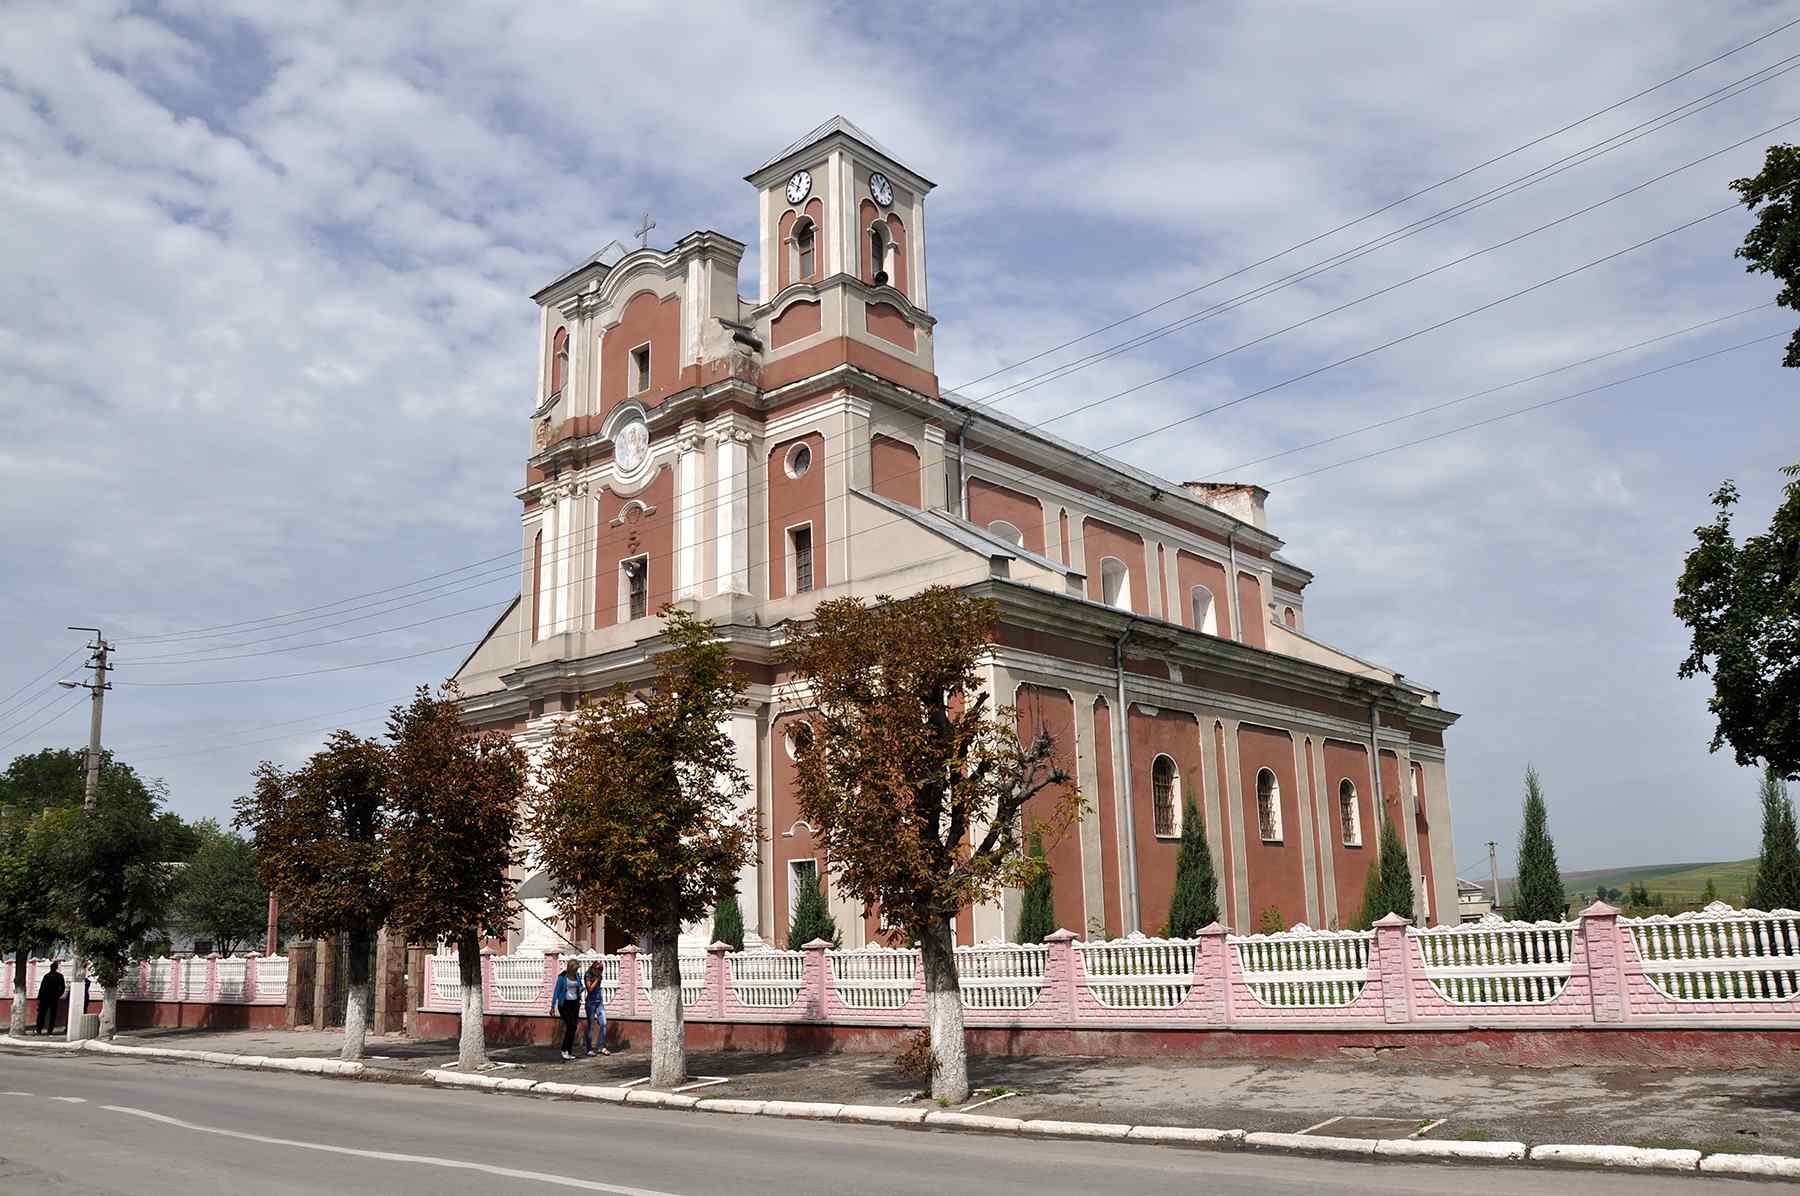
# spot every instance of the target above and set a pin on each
(1472, 901)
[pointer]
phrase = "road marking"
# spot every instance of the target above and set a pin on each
(586, 1185)
(70, 1100)
(15, 1094)
(1328, 1121)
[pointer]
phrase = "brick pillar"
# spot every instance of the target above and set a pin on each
(301, 963)
(212, 978)
(324, 981)
(818, 980)
(1059, 972)
(712, 997)
(1212, 974)
(1393, 959)
(1605, 963)
(250, 979)
(415, 988)
(628, 980)
(489, 993)
(378, 1016)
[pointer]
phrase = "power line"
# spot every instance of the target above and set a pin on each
(1404, 232)
(1494, 419)
(55, 714)
(341, 668)
(1518, 149)
(201, 632)
(15, 693)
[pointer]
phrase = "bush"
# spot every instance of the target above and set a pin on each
(728, 922)
(1195, 902)
(1539, 890)
(1271, 922)
(1037, 913)
(914, 1060)
(812, 920)
(1775, 884)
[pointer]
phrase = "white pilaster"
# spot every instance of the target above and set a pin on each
(731, 497)
(690, 501)
(546, 573)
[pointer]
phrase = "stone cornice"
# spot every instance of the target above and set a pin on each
(813, 289)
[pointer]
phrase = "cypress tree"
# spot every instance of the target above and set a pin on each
(728, 921)
(812, 920)
(1037, 913)
(1776, 882)
(1538, 892)
(1389, 887)
(1195, 902)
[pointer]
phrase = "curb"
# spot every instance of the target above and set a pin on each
(1559, 1155)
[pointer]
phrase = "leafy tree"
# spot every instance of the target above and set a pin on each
(1772, 246)
(1037, 907)
(320, 834)
(1194, 904)
(218, 894)
(26, 923)
(914, 782)
(109, 886)
(1739, 602)
(728, 921)
(637, 815)
(1538, 891)
(454, 796)
(1775, 883)
(1389, 888)
(812, 919)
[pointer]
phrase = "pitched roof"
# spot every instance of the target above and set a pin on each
(837, 124)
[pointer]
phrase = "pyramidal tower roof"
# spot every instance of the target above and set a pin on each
(837, 125)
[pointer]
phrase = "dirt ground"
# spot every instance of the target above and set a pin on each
(1380, 1095)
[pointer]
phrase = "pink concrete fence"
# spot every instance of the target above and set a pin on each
(192, 979)
(1716, 967)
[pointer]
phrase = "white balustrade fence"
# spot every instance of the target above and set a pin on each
(231, 979)
(272, 979)
(1304, 968)
(446, 979)
(766, 979)
(162, 975)
(1494, 962)
(873, 978)
(193, 979)
(1720, 954)
(1001, 975)
(519, 979)
(693, 975)
(1138, 972)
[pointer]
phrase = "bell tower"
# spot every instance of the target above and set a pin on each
(835, 203)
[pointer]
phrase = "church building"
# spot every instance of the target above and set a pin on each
(751, 456)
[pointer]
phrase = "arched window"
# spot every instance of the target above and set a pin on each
(1007, 532)
(1205, 617)
(806, 258)
(1115, 583)
(559, 360)
(1268, 806)
(881, 247)
(1348, 816)
(1166, 822)
(1289, 617)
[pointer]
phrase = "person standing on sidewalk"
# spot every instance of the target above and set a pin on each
(596, 1009)
(566, 1002)
(50, 995)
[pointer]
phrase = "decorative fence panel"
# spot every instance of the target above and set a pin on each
(232, 983)
(693, 976)
(766, 979)
(1138, 972)
(228, 980)
(873, 978)
(520, 980)
(444, 981)
(1493, 962)
(272, 979)
(1303, 968)
(1720, 954)
(1001, 976)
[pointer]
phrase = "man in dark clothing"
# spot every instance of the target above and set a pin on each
(50, 994)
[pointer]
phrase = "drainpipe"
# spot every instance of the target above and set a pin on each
(1123, 739)
(962, 469)
(1231, 588)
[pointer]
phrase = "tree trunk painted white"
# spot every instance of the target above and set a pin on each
(16, 1023)
(76, 998)
(109, 1011)
(668, 1038)
(471, 1047)
(944, 1016)
(356, 1008)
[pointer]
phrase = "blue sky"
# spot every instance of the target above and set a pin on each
(265, 341)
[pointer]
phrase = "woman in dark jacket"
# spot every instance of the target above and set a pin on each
(566, 1003)
(50, 994)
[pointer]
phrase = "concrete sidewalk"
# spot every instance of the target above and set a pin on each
(1380, 1095)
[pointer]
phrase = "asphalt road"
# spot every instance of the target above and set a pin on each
(79, 1126)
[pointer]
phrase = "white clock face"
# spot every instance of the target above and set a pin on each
(799, 187)
(880, 190)
(631, 445)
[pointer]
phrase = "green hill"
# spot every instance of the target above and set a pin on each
(1680, 884)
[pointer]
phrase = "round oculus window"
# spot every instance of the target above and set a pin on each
(799, 460)
(631, 446)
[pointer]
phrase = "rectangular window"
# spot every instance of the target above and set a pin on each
(640, 369)
(801, 873)
(805, 245)
(800, 543)
(634, 580)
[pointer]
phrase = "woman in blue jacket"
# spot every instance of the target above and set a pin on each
(566, 1002)
(596, 1009)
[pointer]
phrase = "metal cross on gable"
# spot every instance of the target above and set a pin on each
(643, 230)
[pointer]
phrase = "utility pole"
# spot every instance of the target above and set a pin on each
(78, 981)
(1494, 871)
